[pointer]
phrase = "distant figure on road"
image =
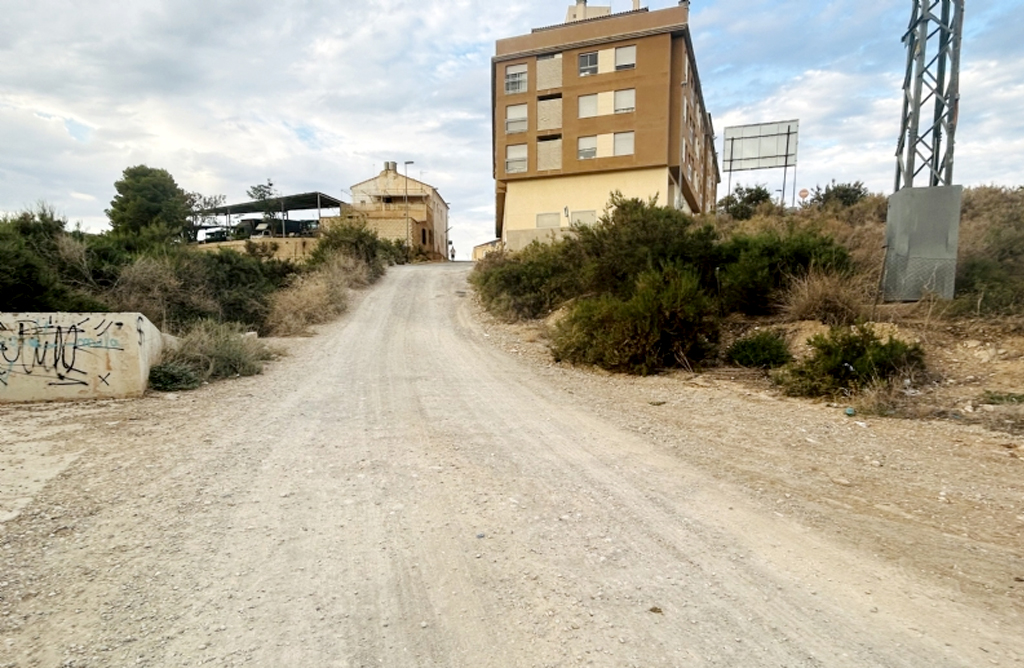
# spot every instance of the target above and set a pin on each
(453, 253)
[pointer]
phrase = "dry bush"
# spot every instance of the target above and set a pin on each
(152, 286)
(146, 286)
(830, 298)
(208, 351)
(896, 397)
(356, 271)
(316, 297)
(74, 254)
(992, 224)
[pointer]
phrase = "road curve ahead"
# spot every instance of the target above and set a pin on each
(401, 492)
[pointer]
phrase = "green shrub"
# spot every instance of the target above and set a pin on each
(178, 286)
(531, 283)
(849, 359)
(174, 377)
(986, 286)
(756, 267)
(210, 350)
(618, 320)
(357, 240)
(839, 194)
(240, 285)
(764, 350)
(742, 203)
(666, 323)
(990, 267)
(990, 397)
(635, 236)
(29, 267)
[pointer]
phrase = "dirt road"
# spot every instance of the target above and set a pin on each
(403, 490)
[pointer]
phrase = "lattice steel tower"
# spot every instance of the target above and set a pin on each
(932, 84)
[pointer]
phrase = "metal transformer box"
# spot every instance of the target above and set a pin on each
(921, 239)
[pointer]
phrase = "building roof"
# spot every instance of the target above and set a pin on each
(593, 31)
(596, 17)
(397, 175)
(305, 201)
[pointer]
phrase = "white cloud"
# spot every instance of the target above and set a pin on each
(317, 95)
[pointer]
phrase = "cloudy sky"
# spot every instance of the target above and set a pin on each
(317, 94)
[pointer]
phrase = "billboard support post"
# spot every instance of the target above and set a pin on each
(785, 170)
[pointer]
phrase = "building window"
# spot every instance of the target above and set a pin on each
(549, 113)
(588, 106)
(515, 118)
(515, 79)
(623, 143)
(515, 158)
(586, 148)
(625, 100)
(625, 58)
(549, 220)
(549, 153)
(549, 71)
(584, 217)
(588, 64)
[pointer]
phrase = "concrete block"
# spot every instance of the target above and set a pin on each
(75, 356)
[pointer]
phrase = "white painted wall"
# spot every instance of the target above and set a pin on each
(72, 356)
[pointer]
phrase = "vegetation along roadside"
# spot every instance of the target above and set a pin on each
(209, 300)
(648, 289)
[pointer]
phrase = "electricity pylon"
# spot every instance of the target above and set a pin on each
(932, 83)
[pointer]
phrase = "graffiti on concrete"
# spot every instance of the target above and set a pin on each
(57, 352)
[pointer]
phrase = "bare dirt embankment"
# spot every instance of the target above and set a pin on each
(419, 486)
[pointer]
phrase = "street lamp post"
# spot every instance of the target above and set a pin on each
(408, 228)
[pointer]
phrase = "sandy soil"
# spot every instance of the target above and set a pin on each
(419, 486)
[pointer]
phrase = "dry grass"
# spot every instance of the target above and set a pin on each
(316, 297)
(859, 228)
(829, 298)
(208, 351)
(992, 226)
(74, 254)
(151, 286)
(896, 397)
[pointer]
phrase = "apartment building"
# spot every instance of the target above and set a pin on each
(403, 209)
(600, 103)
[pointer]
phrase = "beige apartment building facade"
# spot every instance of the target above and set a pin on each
(608, 102)
(403, 209)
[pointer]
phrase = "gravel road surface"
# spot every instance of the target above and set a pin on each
(402, 491)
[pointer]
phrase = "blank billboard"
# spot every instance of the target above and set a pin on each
(760, 146)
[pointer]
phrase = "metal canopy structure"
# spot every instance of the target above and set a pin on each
(932, 83)
(303, 202)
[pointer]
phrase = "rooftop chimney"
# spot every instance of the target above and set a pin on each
(636, 5)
